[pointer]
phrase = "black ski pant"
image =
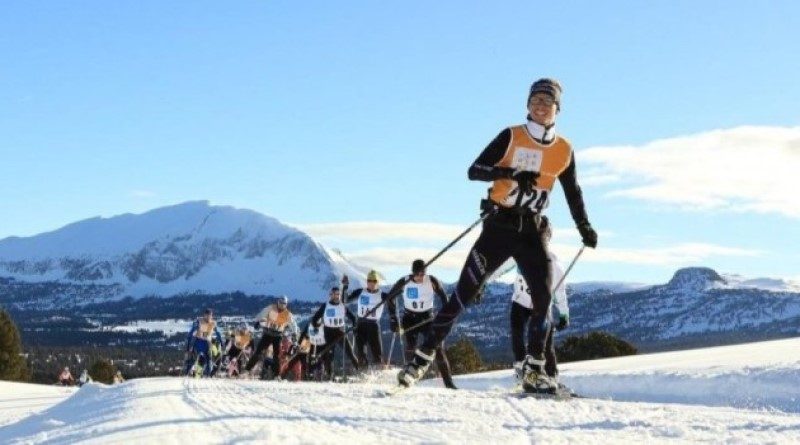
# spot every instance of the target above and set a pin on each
(368, 334)
(267, 338)
(414, 328)
(334, 336)
(505, 235)
(520, 317)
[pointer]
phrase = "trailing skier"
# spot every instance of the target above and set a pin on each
(368, 324)
(334, 315)
(523, 163)
(522, 311)
(418, 291)
(275, 320)
(198, 342)
(238, 350)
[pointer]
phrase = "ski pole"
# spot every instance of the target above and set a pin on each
(391, 350)
(569, 268)
(397, 289)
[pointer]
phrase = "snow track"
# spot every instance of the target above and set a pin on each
(178, 410)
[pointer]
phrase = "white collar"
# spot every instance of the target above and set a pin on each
(541, 133)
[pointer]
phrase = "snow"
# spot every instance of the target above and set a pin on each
(19, 400)
(739, 394)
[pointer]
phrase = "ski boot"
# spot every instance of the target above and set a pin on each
(415, 369)
(534, 379)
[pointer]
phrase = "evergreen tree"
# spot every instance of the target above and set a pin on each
(593, 345)
(464, 357)
(103, 370)
(12, 364)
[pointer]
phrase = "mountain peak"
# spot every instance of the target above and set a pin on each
(695, 279)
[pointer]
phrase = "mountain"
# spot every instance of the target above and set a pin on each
(186, 248)
(697, 307)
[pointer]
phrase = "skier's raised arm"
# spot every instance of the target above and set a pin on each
(484, 168)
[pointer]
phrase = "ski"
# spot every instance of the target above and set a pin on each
(393, 390)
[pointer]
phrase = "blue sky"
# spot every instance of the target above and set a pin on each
(328, 115)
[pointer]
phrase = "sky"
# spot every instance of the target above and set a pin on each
(357, 121)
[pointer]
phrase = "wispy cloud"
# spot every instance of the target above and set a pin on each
(423, 241)
(382, 231)
(744, 169)
(677, 255)
(141, 194)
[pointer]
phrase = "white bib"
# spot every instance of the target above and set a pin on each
(334, 315)
(367, 301)
(418, 297)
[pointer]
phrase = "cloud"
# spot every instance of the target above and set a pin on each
(743, 169)
(375, 231)
(673, 256)
(141, 194)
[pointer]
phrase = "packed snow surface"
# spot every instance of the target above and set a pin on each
(739, 394)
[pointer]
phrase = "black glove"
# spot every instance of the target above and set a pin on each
(394, 326)
(588, 234)
(345, 281)
(563, 323)
(526, 180)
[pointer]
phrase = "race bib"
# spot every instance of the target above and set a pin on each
(527, 159)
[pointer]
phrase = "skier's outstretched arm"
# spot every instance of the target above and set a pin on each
(573, 193)
(317, 315)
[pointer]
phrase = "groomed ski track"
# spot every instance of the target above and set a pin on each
(199, 411)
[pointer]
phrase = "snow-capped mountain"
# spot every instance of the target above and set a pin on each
(697, 307)
(190, 247)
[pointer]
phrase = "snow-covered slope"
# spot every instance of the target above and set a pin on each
(742, 394)
(19, 400)
(184, 248)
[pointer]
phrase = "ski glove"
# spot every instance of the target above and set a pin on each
(588, 235)
(394, 326)
(563, 323)
(525, 180)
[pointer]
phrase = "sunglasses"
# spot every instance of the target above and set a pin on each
(372, 281)
(546, 101)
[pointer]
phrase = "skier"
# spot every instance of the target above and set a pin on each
(84, 378)
(302, 357)
(333, 314)
(198, 342)
(523, 162)
(240, 344)
(118, 377)
(522, 310)
(368, 325)
(65, 377)
(276, 320)
(418, 290)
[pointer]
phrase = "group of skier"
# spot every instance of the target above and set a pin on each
(523, 163)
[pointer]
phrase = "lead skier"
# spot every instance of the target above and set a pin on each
(523, 163)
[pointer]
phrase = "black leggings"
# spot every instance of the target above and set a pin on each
(520, 315)
(505, 235)
(332, 337)
(368, 334)
(266, 340)
(412, 319)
